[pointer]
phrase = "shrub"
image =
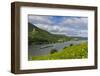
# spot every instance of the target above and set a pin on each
(71, 44)
(65, 47)
(53, 51)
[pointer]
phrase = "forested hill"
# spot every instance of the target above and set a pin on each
(40, 36)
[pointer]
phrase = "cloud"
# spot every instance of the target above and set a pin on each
(66, 25)
(75, 22)
(40, 19)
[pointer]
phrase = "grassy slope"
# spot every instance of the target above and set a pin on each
(72, 52)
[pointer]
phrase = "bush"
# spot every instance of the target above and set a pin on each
(65, 47)
(53, 51)
(71, 44)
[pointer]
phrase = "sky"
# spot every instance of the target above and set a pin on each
(64, 25)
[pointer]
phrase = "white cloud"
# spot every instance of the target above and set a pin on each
(74, 20)
(70, 26)
(39, 19)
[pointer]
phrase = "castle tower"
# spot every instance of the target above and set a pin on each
(33, 29)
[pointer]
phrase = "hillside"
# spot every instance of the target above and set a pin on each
(40, 36)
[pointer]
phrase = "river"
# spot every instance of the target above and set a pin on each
(44, 49)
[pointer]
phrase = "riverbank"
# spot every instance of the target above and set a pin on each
(78, 51)
(45, 49)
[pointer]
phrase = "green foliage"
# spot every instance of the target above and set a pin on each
(53, 51)
(65, 47)
(71, 44)
(30, 27)
(72, 52)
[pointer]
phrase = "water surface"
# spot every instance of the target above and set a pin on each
(44, 49)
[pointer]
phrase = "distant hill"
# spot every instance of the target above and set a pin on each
(80, 38)
(83, 38)
(40, 36)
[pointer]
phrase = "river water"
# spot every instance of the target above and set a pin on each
(44, 49)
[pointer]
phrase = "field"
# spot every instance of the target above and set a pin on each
(79, 51)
